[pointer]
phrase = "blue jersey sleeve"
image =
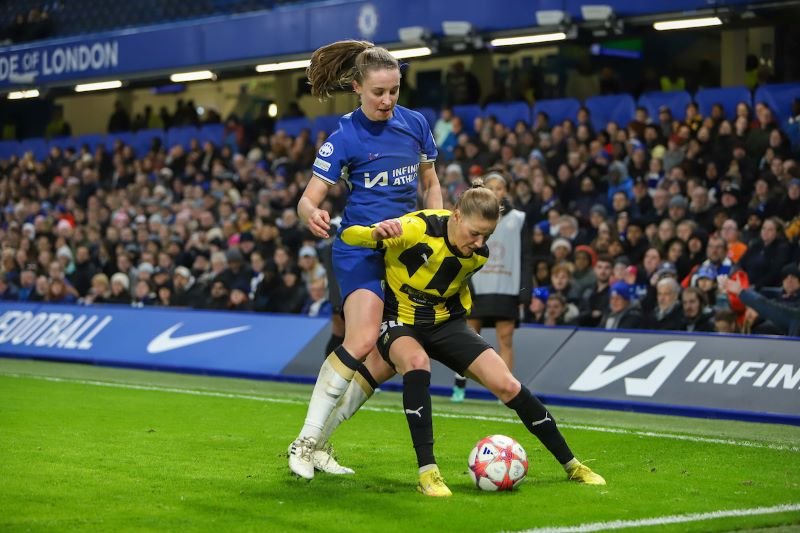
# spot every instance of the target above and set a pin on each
(331, 159)
(429, 151)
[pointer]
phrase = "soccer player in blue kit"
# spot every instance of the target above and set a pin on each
(384, 153)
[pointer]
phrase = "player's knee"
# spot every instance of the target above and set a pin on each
(508, 387)
(417, 362)
(360, 346)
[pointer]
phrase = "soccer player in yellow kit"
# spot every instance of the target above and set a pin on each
(430, 256)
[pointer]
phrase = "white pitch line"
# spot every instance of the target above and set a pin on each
(458, 416)
(666, 520)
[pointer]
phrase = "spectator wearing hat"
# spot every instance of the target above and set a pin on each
(238, 270)
(678, 208)
(535, 311)
(623, 312)
(186, 291)
(218, 295)
(120, 289)
(767, 255)
(636, 243)
(312, 269)
(85, 269)
(668, 313)
(560, 249)
(618, 180)
(697, 315)
(730, 196)
(239, 298)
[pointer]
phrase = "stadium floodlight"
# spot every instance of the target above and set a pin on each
(285, 65)
(192, 76)
(19, 95)
(528, 39)
(406, 53)
(98, 86)
(551, 17)
(414, 34)
(456, 28)
(600, 12)
(687, 23)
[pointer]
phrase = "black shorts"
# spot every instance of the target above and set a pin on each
(452, 343)
(489, 308)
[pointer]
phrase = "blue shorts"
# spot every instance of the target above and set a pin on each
(358, 268)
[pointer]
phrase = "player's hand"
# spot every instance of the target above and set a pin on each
(319, 223)
(387, 229)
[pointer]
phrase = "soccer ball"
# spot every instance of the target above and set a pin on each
(497, 463)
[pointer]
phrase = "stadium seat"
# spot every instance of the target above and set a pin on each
(326, 123)
(509, 113)
(779, 98)
(728, 97)
(127, 137)
(212, 133)
(430, 115)
(9, 148)
(619, 108)
(676, 101)
(36, 145)
(559, 109)
(182, 135)
(92, 139)
(467, 114)
(293, 126)
(62, 142)
(144, 138)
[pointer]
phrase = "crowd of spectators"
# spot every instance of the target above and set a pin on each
(34, 25)
(665, 223)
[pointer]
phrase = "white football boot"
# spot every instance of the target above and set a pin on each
(300, 461)
(324, 461)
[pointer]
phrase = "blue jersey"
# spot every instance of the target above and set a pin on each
(379, 162)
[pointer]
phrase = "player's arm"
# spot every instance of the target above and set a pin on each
(431, 192)
(318, 220)
(387, 233)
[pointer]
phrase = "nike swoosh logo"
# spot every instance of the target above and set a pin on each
(166, 342)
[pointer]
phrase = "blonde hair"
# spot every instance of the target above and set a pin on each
(479, 201)
(338, 64)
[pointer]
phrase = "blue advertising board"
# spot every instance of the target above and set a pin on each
(287, 30)
(252, 344)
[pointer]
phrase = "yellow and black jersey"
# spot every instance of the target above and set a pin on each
(426, 276)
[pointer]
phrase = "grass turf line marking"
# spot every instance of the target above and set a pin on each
(512, 420)
(666, 520)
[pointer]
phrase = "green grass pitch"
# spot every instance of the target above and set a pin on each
(98, 449)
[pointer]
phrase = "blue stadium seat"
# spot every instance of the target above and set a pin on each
(467, 114)
(779, 98)
(728, 97)
(326, 123)
(127, 137)
(9, 148)
(430, 115)
(509, 113)
(92, 139)
(212, 133)
(181, 135)
(559, 109)
(144, 138)
(676, 101)
(37, 145)
(293, 126)
(619, 108)
(63, 143)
